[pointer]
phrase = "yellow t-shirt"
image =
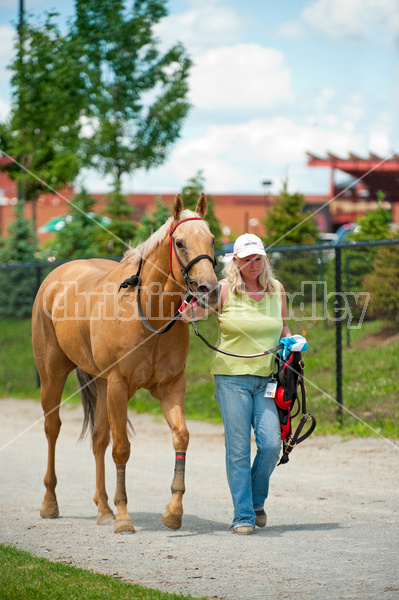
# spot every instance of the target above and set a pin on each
(248, 327)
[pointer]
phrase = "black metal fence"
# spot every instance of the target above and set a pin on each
(344, 299)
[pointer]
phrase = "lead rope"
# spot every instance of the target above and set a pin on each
(201, 337)
(293, 440)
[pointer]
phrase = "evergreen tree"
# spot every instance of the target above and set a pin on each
(79, 237)
(287, 223)
(190, 194)
(383, 284)
(119, 233)
(374, 225)
(151, 223)
(18, 286)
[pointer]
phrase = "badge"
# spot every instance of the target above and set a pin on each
(271, 388)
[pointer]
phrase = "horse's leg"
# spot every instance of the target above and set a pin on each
(117, 402)
(52, 384)
(101, 437)
(172, 403)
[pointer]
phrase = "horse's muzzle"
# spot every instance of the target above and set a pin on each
(207, 294)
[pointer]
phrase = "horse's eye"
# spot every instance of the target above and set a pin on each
(179, 244)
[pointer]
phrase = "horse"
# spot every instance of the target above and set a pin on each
(88, 315)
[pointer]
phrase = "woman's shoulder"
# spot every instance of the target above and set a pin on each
(278, 287)
(276, 283)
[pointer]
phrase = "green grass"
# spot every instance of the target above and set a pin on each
(25, 577)
(370, 375)
(18, 377)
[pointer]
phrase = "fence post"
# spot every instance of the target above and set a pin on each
(338, 331)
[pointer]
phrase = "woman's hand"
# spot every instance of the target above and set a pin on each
(203, 313)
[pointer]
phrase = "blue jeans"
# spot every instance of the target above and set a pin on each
(242, 405)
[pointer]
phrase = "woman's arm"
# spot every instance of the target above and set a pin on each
(286, 330)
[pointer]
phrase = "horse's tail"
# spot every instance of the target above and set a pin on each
(88, 391)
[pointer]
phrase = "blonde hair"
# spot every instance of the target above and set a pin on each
(233, 276)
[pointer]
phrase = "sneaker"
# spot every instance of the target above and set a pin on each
(244, 530)
(260, 518)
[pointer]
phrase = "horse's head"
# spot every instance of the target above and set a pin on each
(192, 251)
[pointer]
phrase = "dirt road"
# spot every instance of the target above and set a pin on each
(332, 513)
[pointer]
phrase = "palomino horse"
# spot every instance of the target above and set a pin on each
(81, 318)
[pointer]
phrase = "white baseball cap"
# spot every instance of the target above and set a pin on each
(248, 244)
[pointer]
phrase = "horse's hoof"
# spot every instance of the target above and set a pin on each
(105, 518)
(49, 510)
(123, 526)
(171, 521)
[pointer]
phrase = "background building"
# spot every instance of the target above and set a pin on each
(238, 213)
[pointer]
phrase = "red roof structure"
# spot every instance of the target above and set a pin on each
(371, 175)
(375, 173)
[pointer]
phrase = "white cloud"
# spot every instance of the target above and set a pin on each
(348, 126)
(292, 30)
(237, 157)
(354, 20)
(379, 143)
(202, 27)
(336, 109)
(354, 107)
(240, 76)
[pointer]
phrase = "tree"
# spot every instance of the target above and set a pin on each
(288, 224)
(190, 194)
(48, 96)
(18, 286)
(151, 223)
(374, 225)
(118, 236)
(78, 238)
(383, 284)
(137, 95)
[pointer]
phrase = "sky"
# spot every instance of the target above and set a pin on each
(270, 81)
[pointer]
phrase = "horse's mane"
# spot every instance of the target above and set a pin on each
(145, 248)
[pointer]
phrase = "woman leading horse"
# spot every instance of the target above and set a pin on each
(84, 318)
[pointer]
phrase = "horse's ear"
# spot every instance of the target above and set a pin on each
(177, 207)
(202, 205)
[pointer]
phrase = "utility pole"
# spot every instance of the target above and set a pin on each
(21, 186)
(266, 185)
(21, 14)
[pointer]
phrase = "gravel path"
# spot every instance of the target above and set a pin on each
(332, 514)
